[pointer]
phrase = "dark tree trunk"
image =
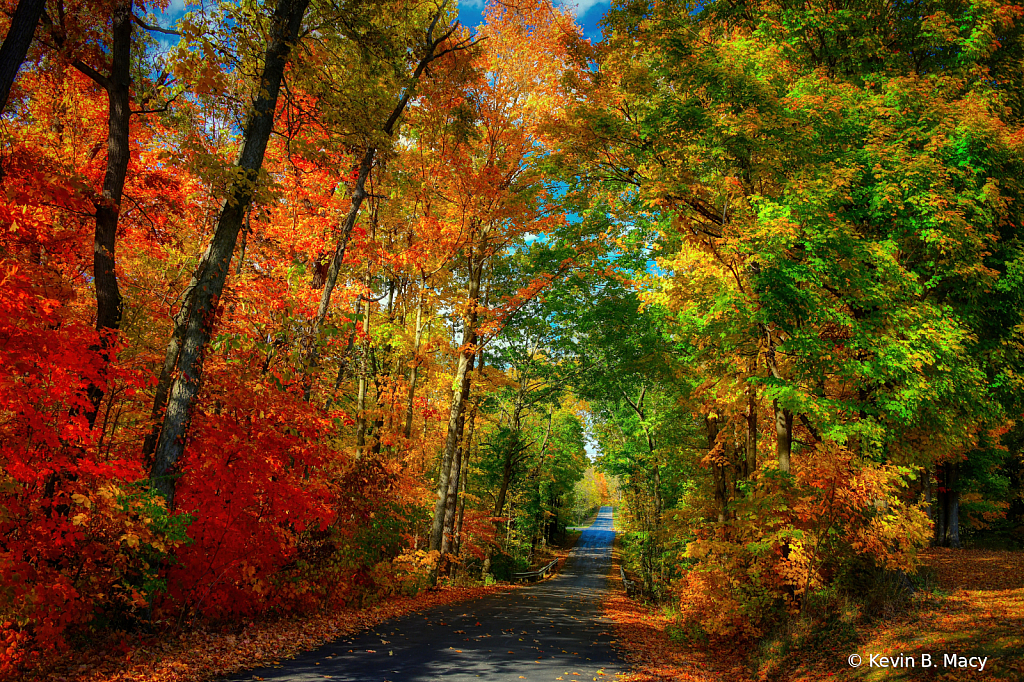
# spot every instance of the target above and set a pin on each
(200, 306)
(718, 476)
(454, 477)
(457, 536)
(15, 47)
(721, 477)
(938, 507)
(163, 390)
(947, 507)
(414, 370)
(928, 490)
(108, 206)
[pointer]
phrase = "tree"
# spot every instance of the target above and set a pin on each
(198, 314)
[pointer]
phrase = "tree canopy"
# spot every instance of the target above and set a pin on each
(334, 301)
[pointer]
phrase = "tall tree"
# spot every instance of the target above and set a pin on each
(199, 310)
(117, 83)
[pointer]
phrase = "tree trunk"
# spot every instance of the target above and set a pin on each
(457, 538)
(454, 478)
(939, 506)
(926, 484)
(717, 471)
(947, 523)
(953, 506)
(506, 479)
(163, 390)
(451, 500)
(108, 206)
(15, 47)
(720, 489)
(364, 372)
(783, 435)
(361, 404)
(458, 406)
(414, 370)
(751, 415)
(200, 306)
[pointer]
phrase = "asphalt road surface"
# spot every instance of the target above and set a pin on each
(549, 631)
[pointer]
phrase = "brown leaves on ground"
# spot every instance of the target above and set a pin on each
(642, 639)
(196, 655)
(975, 569)
(983, 616)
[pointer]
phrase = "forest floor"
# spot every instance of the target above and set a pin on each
(972, 605)
(642, 638)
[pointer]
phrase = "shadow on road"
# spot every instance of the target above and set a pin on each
(538, 633)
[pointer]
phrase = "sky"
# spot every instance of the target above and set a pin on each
(588, 14)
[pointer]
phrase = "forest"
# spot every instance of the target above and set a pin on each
(310, 305)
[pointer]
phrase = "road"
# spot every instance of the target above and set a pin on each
(553, 630)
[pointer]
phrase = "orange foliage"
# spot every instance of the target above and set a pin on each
(794, 535)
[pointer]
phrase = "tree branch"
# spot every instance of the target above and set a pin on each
(156, 29)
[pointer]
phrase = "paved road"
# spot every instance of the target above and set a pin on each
(541, 633)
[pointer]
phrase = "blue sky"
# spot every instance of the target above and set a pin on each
(588, 14)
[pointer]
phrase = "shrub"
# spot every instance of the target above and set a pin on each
(795, 534)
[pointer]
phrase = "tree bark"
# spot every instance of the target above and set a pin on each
(108, 206)
(783, 435)
(414, 370)
(200, 305)
(361, 404)
(938, 508)
(947, 523)
(364, 372)
(163, 390)
(506, 480)
(460, 389)
(751, 415)
(16, 44)
(454, 478)
(457, 537)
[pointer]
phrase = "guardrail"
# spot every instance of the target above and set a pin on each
(630, 585)
(535, 575)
